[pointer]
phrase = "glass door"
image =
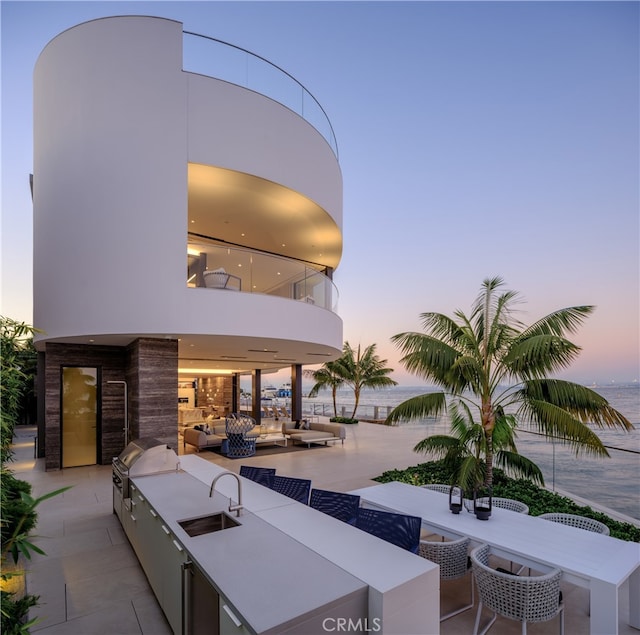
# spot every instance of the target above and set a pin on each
(79, 416)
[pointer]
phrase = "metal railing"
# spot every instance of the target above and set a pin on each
(209, 56)
(251, 271)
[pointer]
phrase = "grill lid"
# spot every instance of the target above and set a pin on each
(136, 449)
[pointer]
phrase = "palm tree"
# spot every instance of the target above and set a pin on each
(363, 370)
(493, 372)
(328, 376)
(353, 368)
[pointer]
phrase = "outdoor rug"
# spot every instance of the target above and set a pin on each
(266, 450)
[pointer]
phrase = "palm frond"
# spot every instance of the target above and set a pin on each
(439, 445)
(428, 357)
(471, 473)
(583, 403)
(518, 466)
(420, 407)
(559, 322)
(491, 309)
(470, 368)
(538, 355)
(504, 432)
(556, 423)
(441, 327)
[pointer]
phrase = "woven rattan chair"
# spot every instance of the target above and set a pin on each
(453, 558)
(262, 475)
(438, 487)
(296, 488)
(342, 506)
(399, 529)
(521, 598)
(240, 443)
(510, 504)
(581, 522)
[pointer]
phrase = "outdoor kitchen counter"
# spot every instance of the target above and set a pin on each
(403, 589)
(255, 566)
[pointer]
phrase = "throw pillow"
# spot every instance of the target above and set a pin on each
(305, 424)
(297, 426)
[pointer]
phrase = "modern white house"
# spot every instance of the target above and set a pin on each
(187, 201)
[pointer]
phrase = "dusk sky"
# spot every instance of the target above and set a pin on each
(475, 139)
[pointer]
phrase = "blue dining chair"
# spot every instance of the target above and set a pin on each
(399, 529)
(342, 506)
(296, 488)
(262, 475)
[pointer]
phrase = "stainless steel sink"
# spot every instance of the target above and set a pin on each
(208, 524)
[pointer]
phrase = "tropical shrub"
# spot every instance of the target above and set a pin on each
(343, 420)
(17, 506)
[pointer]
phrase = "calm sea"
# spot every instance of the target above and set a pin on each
(612, 482)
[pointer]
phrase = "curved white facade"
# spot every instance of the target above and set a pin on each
(116, 124)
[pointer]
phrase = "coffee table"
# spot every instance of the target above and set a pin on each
(273, 438)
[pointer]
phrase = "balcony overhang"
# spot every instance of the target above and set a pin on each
(246, 210)
(218, 354)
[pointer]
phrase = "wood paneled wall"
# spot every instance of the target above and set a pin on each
(111, 360)
(150, 368)
(152, 376)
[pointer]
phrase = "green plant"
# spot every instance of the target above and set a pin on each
(14, 509)
(538, 499)
(493, 372)
(17, 505)
(14, 612)
(16, 542)
(17, 368)
(343, 420)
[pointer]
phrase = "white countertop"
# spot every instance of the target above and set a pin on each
(257, 567)
(403, 589)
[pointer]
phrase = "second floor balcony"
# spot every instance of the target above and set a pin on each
(215, 266)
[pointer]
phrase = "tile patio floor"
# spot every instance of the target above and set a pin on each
(90, 581)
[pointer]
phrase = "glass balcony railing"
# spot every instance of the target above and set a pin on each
(214, 58)
(213, 266)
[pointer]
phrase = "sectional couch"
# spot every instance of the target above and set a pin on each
(315, 433)
(201, 440)
(309, 432)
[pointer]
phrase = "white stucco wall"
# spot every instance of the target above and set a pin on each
(111, 146)
(239, 129)
(110, 185)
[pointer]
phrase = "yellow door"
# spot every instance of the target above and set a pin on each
(79, 416)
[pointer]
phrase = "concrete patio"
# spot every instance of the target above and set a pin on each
(90, 581)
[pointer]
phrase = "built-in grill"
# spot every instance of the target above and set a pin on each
(142, 456)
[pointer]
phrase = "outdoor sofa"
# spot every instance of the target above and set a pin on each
(309, 432)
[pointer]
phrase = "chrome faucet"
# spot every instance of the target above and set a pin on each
(232, 508)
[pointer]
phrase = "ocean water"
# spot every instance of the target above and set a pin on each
(613, 482)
